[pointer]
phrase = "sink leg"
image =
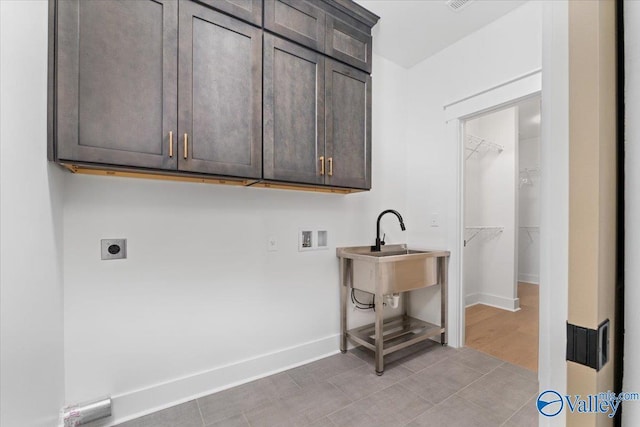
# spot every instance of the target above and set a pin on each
(379, 334)
(405, 303)
(343, 305)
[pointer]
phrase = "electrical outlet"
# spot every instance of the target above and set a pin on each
(113, 248)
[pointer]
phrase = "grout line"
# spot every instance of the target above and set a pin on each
(471, 383)
(200, 412)
(518, 410)
(434, 406)
(246, 419)
(340, 409)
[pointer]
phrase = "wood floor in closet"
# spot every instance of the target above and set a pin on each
(509, 336)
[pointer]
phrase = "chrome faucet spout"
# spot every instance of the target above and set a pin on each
(379, 243)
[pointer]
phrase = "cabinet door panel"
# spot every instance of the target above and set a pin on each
(220, 87)
(348, 125)
(116, 91)
(348, 44)
(293, 112)
(249, 10)
(296, 20)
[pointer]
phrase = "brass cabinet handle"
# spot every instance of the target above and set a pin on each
(170, 143)
(186, 146)
(330, 166)
(321, 165)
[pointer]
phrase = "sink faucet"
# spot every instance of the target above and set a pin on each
(376, 247)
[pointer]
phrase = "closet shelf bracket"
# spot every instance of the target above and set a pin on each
(530, 229)
(472, 232)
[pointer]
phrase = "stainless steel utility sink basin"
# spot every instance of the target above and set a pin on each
(394, 269)
(394, 253)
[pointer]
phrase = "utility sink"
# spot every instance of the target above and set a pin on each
(393, 269)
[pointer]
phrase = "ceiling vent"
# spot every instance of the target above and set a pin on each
(458, 5)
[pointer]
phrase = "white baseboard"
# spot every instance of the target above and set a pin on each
(472, 299)
(529, 278)
(138, 403)
(510, 304)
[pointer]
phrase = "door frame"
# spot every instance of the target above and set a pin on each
(492, 99)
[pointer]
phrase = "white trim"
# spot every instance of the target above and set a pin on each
(131, 405)
(496, 301)
(554, 204)
(516, 90)
(482, 92)
(529, 84)
(534, 279)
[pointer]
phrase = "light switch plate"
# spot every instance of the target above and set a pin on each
(435, 220)
(113, 248)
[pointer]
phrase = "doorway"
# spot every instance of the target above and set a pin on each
(501, 215)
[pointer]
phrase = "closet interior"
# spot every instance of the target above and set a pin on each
(501, 232)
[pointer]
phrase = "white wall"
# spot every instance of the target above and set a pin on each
(631, 379)
(529, 210)
(31, 322)
(490, 200)
(499, 52)
(200, 304)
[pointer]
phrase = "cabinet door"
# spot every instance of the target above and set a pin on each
(293, 112)
(220, 89)
(348, 44)
(348, 126)
(116, 69)
(249, 10)
(296, 20)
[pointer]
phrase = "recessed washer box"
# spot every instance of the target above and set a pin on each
(113, 248)
(312, 239)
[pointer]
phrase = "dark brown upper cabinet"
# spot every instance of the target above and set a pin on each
(220, 94)
(348, 44)
(317, 118)
(120, 68)
(293, 112)
(207, 89)
(248, 10)
(296, 20)
(116, 86)
(347, 126)
(312, 23)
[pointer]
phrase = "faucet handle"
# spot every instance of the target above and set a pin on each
(383, 236)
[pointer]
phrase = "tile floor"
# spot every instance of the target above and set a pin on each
(426, 385)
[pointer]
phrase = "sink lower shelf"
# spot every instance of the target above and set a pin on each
(398, 332)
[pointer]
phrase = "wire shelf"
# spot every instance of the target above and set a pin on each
(489, 232)
(476, 145)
